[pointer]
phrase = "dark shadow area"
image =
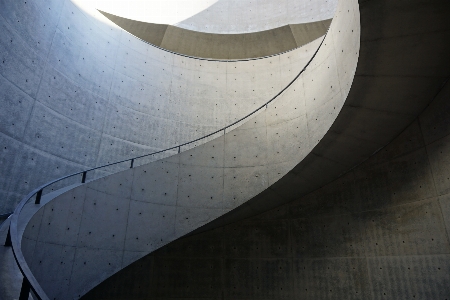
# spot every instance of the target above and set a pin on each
(379, 231)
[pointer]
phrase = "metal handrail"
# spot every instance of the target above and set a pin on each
(5, 216)
(29, 281)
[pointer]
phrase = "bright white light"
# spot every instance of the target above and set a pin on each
(152, 11)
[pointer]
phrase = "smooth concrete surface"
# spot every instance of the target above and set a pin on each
(10, 276)
(381, 231)
(76, 92)
(96, 229)
(245, 16)
(412, 77)
(405, 254)
(220, 16)
(390, 88)
(224, 46)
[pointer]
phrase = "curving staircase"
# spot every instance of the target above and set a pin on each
(96, 228)
(69, 240)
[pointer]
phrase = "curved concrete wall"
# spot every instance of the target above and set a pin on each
(381, 231)
(77, 92)
(223, 46)
(220, 16)
(96, 229)
(244, 16)
(390, 89)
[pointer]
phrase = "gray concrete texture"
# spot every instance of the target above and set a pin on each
(176, 195)
(10, 277)
(245, 16)
(381, 231)
(76, 92)
(405, 254)
(387, 67)
(390, 88)
(224, 46)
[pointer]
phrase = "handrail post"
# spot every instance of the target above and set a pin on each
(33, 286)
(25, 290)
(38, 197)
(8, 242)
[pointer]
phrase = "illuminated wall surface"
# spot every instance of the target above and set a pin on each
(337, 189)
(80, 92)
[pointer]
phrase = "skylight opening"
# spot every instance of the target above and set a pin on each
(151, 11)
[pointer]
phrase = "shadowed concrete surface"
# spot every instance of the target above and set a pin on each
(397, 240)
(391, 87)
(381, 231)
(223, 46)
(76, 92)
(96, 228)
(10, 276)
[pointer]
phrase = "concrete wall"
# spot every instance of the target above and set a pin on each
(381, 231)
(220, 16)
(97, 229)
(224, 46)
(78, 92)
(391, 87)
(244, 16)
